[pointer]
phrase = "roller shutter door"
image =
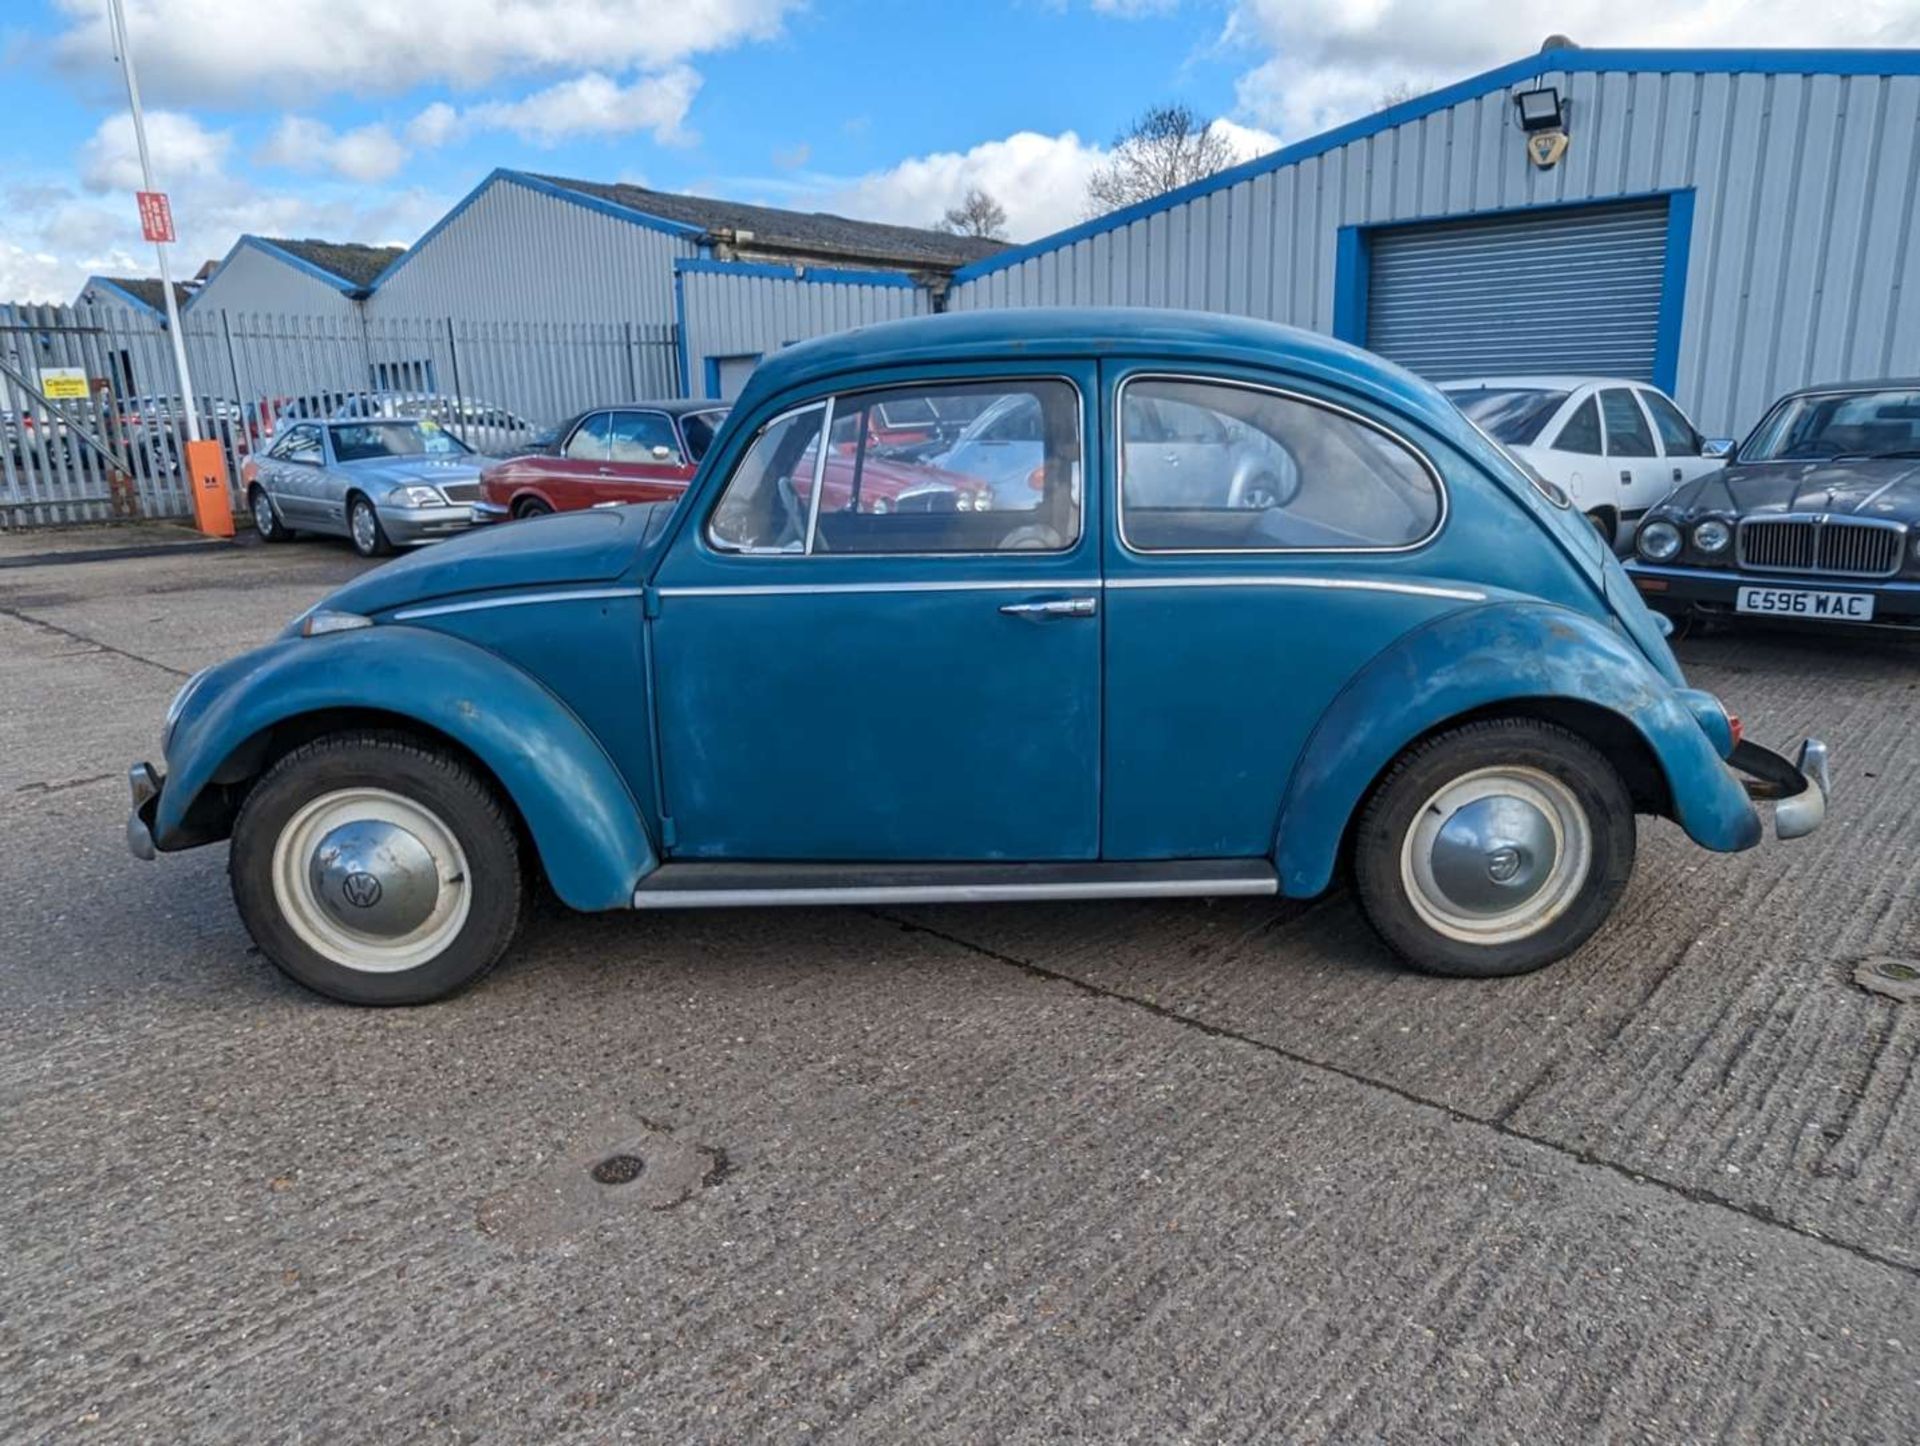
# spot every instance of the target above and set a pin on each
(1559, 291)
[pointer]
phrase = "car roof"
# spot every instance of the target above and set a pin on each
(1540, 381)
(1882, 384)
(1026, 334)
(676, 406)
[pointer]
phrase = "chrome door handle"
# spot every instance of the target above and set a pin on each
(1059, 607)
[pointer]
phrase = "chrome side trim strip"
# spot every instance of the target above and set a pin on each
(1039, 584)
(1340, 584)
(951, 893)
(515, 600)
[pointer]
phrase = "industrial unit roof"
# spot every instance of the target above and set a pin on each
(353, 263)
(770, 229)
(145, 290)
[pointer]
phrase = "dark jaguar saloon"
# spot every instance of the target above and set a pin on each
(1816, 519)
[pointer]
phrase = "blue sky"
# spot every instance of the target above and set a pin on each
(366, 119)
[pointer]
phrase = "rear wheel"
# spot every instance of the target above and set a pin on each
(377, 870)
(530, 507)
(1494, 848)
(363, 528)
(1604, 524)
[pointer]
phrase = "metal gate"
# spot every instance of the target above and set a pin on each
(79, 442)
(1567, 290)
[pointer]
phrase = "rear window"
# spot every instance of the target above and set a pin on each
(1514, 416)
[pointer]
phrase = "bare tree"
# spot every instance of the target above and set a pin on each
(1398, 94)
(977, 215)
(1166, 148)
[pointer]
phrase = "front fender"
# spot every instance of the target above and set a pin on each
(584, 821)
(1477, 658)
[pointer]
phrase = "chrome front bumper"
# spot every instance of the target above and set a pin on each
(1797, 790)
(145, 783)
(484, 512)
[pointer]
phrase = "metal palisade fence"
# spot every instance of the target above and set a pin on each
(90, 417)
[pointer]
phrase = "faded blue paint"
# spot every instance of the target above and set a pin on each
(833, 721)
(584, 820)
(1477, 659)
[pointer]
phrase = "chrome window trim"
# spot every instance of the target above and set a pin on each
(1211, 379)
(515, 600)
(1080, 420)
(1051, 584)
(1811, 394)
(819, 479)
(712, 543)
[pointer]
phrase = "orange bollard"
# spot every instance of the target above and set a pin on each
(207, 483)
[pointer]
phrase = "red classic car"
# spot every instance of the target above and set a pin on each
(635, 452)
(649, 451)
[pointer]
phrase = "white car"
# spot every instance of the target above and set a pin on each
(1617, 447)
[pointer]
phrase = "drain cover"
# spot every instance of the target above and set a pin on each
(1896, 978)
(618, 1169)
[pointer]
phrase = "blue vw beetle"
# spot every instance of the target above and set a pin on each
(780, 691)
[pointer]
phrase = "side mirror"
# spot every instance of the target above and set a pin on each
(1717, 449)
(662, 454)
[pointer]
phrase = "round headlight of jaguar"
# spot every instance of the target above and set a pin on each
(1658, 542)
(1713, 535)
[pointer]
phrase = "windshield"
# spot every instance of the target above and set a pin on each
(699, 429)
(1513, 415)
(365, 441)
(1850, 426)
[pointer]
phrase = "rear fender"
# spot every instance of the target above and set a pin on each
(1470, 662)
(584, 822)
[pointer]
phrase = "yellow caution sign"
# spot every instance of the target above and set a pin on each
(63, 384)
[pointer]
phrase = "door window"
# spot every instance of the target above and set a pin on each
(1008, 482)
(302, 444)
(1262, 472)
(1627, 432)
(1677, 435)
(589, 440)
(699, 429)
(1581, 435)
(635, 436)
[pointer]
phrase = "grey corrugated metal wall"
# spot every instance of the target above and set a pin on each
(743, 310)
(1802, 266)
(516, 254)
(251, 280)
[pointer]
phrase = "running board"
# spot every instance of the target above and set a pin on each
(731, 885)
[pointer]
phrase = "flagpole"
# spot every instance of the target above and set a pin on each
(117, 20)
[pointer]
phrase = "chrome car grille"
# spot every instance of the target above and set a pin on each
(460, 491)
(1820, 545)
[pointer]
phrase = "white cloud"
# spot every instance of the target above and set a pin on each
(35, 275)
(1332, 60)
(434, 126)
(590, 104)
(182, 150)
(226, 49)
(367, 153)
(1041, 180)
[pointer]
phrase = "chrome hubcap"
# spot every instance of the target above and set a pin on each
(363, 526)
(1497, 855)
(371, 880)
(262, 514)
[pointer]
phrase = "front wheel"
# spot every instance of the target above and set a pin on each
(377, 870)
(1494, 848)
(364, 529)
(266, 517)
(530, 507)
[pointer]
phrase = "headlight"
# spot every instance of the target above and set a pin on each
(415, 497)
(1658, 541)
(1713, 535)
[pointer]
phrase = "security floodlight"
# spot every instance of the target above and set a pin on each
(1540, 110)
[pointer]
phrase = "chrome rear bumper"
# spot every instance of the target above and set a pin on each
(1797, 790)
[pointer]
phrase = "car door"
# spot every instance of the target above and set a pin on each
(1632, 456)
(1680, 441)
(841, 678)
(645, 463)
(572, 476)
(298, 462)
(1231, 629)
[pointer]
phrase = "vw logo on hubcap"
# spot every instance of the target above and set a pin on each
(362, 890)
